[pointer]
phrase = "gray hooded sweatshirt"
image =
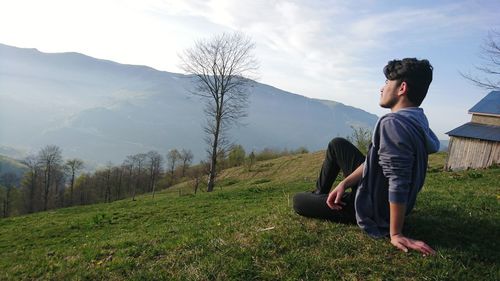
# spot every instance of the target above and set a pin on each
(395, 168)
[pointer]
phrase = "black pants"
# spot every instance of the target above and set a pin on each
(340, 155)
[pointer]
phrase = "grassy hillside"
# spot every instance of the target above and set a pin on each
(246, 230)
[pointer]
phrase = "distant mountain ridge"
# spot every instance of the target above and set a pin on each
(10, 165)
(101, 110)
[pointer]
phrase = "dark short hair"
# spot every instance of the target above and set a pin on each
(416, 73)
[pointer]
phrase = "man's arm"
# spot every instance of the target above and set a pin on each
(335, 195)
(396, 158)
(397, 213)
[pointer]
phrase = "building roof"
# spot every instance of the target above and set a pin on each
(488, 105)
(476, 131)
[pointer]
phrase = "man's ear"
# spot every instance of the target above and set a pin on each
(403, 88)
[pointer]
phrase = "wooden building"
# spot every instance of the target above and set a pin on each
(476, 144)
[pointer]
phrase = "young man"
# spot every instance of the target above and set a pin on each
(384, 186)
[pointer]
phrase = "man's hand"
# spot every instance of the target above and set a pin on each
(403, 243)
(334, 198)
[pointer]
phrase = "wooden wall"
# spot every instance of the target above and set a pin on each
(466, 153)
(486, 119)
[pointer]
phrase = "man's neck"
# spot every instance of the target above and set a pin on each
(401, 104)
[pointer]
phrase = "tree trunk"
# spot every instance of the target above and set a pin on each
(172, 172)
(71, 188)
(56, 195)
(82, 188)
(107, 196)
(46, 191)
(129, 182)
(213, 164)
(153, 183)
(136, 183)
(153, 189)
(118, 195)
(152, 177)
(32, 193)
(59, 201)
(196, 184)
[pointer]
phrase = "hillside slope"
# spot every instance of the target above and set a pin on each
(246, 230)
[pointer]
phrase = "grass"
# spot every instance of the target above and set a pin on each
(246, 230)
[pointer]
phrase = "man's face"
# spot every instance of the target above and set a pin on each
(389, 93)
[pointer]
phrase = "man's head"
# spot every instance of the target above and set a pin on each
(407, 77)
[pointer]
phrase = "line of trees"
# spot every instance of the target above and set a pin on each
(51, 182)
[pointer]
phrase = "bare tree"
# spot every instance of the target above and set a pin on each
(155, 161)
(222, 67)
(9, 180)
(59, 184)
(32, 163)
(173, 156)
(107, 181)
(82, 185)
(50, 159)
(73, 166)
(490, 66)
(186, 159)
(118, 174)
(251, 160)
(196, 173)
(138, 162)
(128, 166)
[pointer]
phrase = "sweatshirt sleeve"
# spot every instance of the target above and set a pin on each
(396, 158)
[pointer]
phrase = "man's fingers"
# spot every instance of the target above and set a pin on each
(335, 207)
(334, 200)
(400, 246)
(338, 198)
(330, 200)
(433, 252)
(404, 243)
(425, 249)
(421, 247)
(428, 250)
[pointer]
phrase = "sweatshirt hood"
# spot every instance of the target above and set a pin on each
(416, 116)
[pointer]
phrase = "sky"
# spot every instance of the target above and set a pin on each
(331, 50)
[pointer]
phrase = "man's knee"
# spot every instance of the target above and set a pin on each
(338, 143)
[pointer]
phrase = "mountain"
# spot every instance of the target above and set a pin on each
(10, 165)
(101, 110)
